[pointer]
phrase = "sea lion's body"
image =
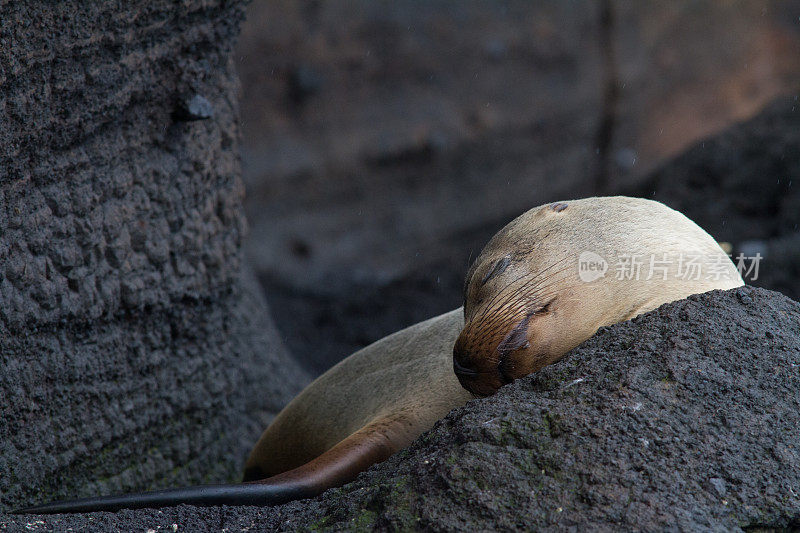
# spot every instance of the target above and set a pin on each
(403, 383)
(526, 305)
(367, 407)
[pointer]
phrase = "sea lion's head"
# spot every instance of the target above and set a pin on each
(514, 305)
(527, 301)
(509, 325)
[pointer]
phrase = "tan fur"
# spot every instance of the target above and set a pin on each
(405, 380)
(544, 246)
(399, 386)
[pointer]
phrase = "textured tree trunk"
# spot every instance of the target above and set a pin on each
(134, 353)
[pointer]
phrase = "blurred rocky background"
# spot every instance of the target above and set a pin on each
(384, 142)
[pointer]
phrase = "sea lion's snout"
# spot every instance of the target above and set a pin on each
(473, 380)
(479, 367)
(463, 372)
(495, 349)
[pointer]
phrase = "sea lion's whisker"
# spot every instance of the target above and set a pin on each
(526, 291)
(515, 294)
(496, 355)
(531, 292)
(528, 313)
(537, 280)
(532, 279)
(533, 298)
(499, 294)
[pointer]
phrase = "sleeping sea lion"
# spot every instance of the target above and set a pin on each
(541, 286)
(549, 279)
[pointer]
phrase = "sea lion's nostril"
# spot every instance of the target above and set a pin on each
(463, 370)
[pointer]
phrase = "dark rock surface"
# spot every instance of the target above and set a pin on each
(743, 187)
(133, 353)
(688, 70)
(684, 418)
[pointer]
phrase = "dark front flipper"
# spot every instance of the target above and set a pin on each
(340, 464)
